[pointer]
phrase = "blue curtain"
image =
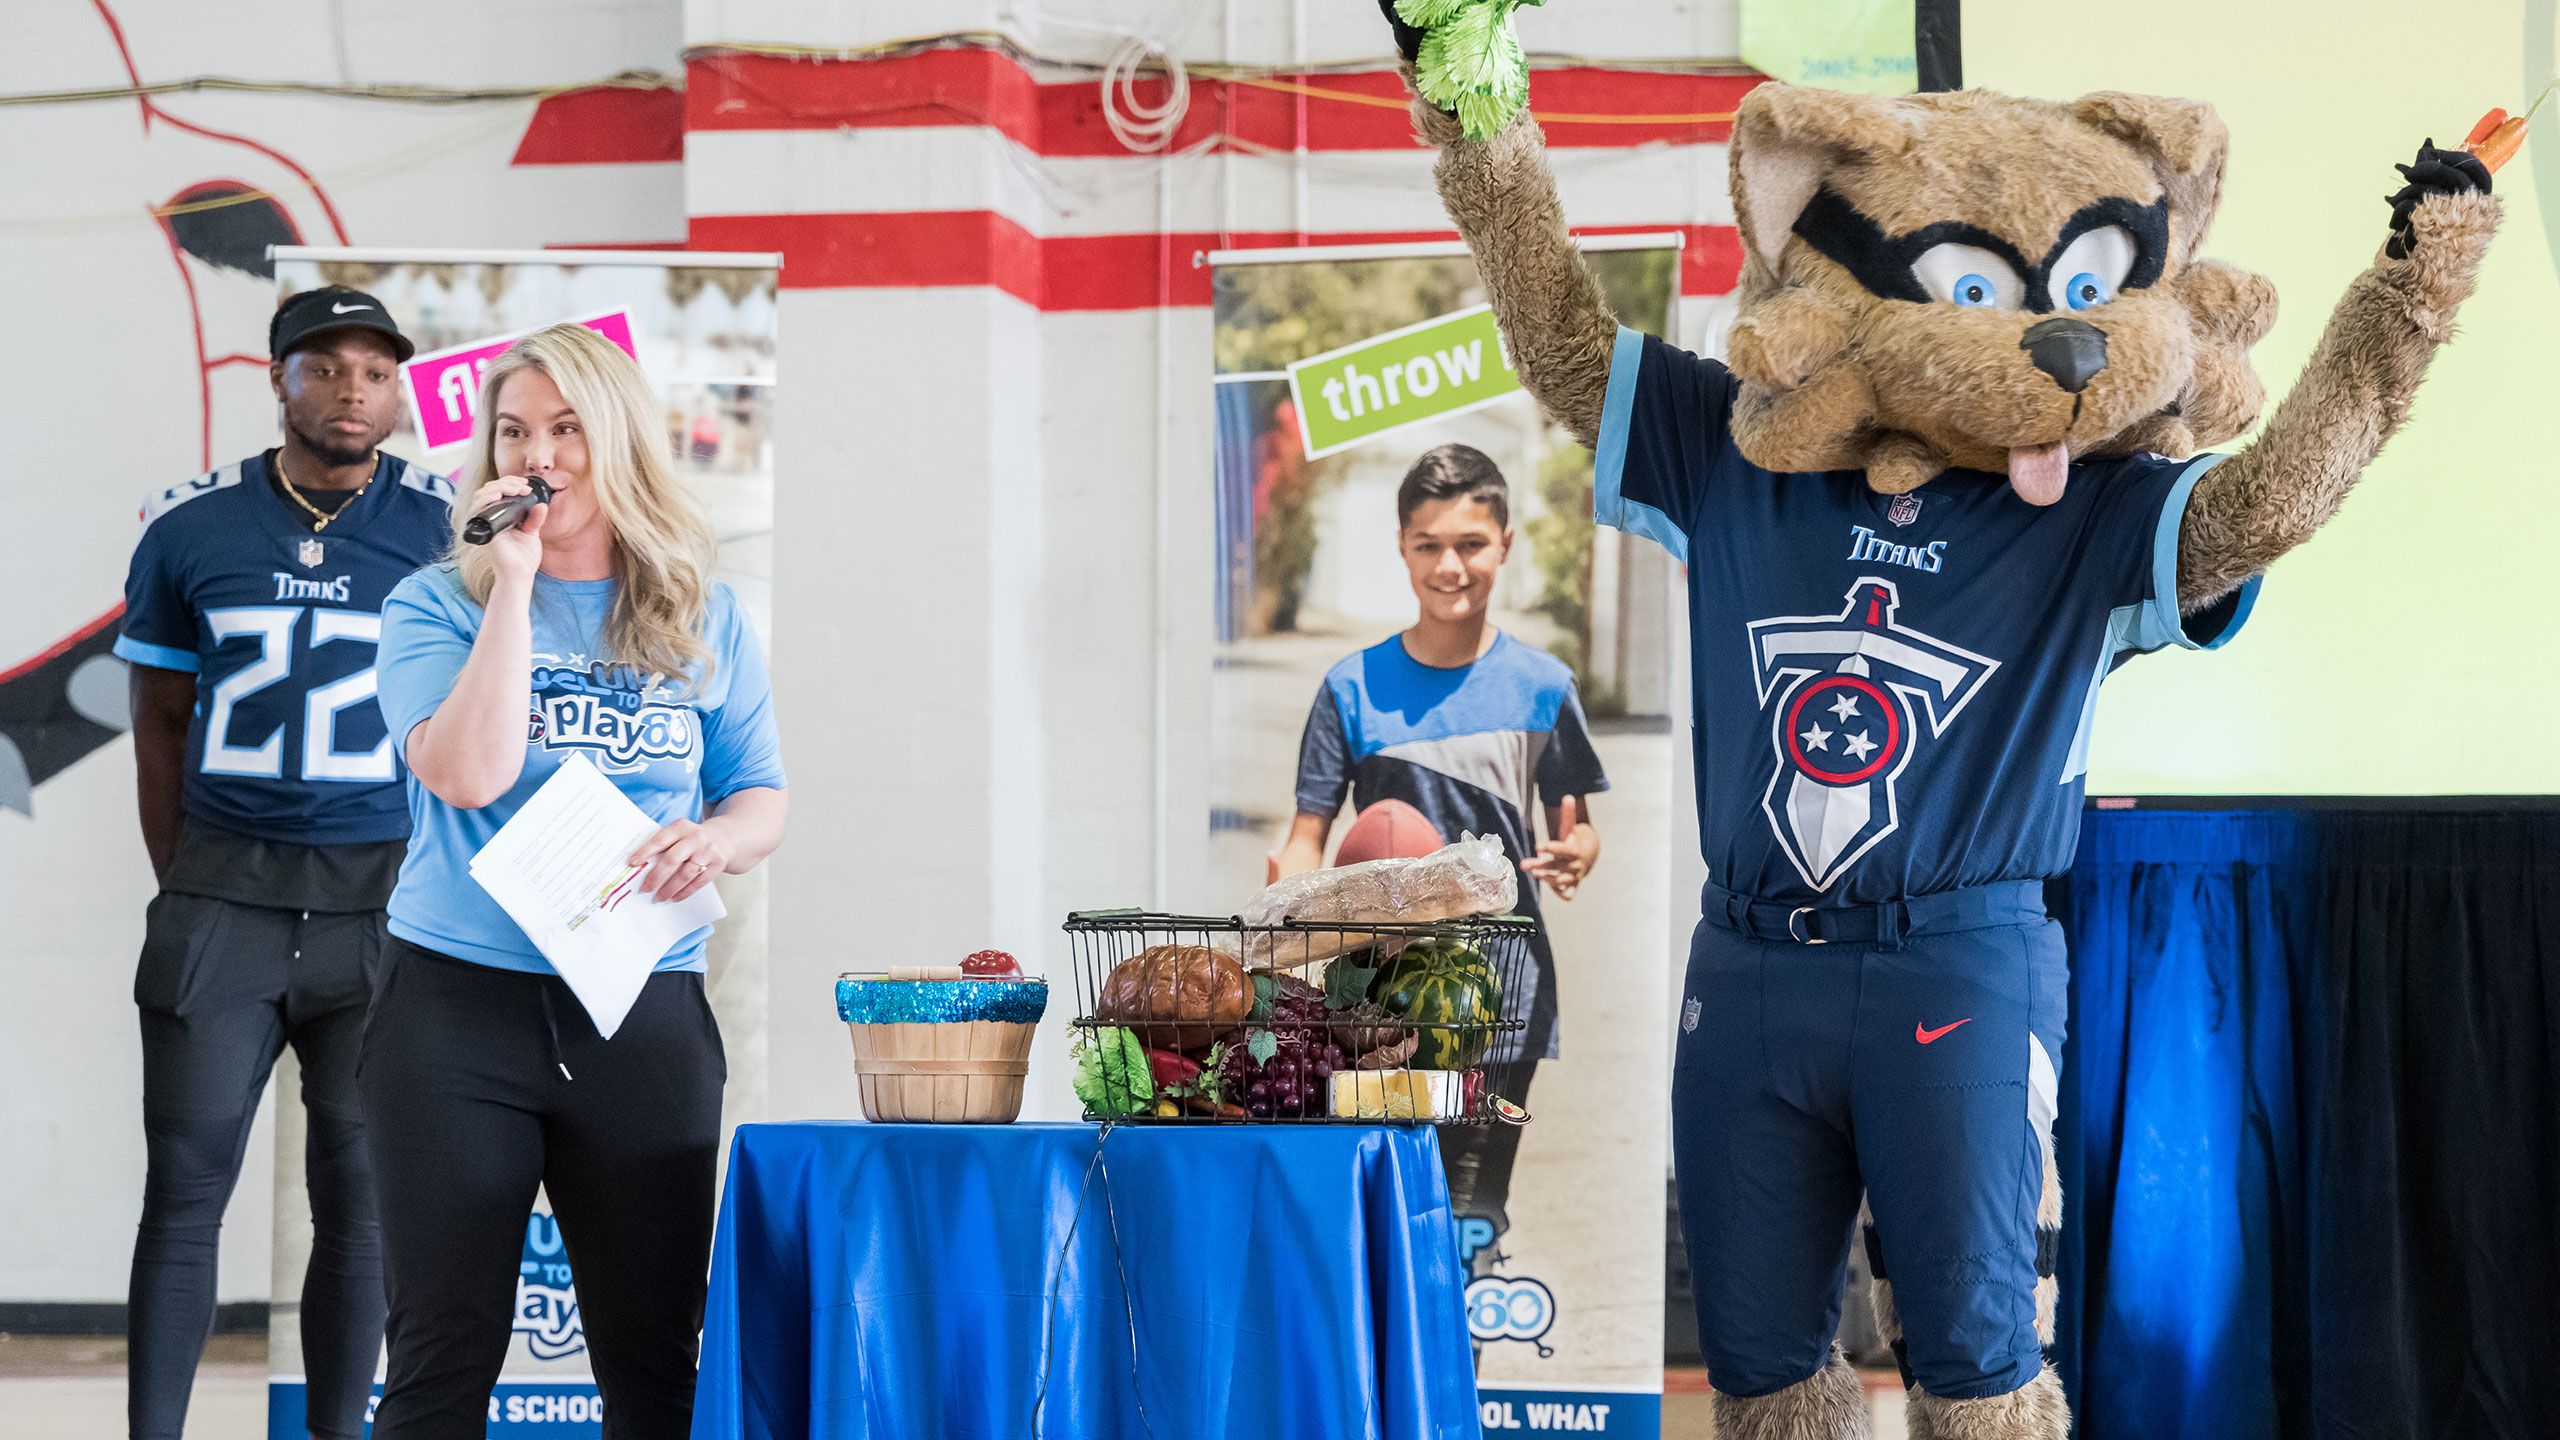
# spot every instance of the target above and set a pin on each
(2310, 1130)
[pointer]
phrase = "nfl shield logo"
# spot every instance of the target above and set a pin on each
(310, 553)
(1903, 510)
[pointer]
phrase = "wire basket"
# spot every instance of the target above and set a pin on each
(1335, 1023)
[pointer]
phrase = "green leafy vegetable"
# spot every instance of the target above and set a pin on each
(1470, 63)
(1112, 1073)
(1205, 1084)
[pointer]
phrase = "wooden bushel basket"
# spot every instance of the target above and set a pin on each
(965, 1072)
(931, 1046)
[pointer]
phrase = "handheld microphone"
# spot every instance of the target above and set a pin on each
(505, 514)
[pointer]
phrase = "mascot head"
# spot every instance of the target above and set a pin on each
(1981, 281)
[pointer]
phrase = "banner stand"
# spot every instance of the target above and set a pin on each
(1335, 369)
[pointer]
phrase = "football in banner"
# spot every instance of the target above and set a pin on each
(1333, 374)
(703, 329)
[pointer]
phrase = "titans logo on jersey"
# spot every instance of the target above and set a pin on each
(1851, 697)
(278, 625)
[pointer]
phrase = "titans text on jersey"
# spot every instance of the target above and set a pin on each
(279, 624)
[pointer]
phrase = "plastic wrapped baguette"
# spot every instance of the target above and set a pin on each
(1473, 877)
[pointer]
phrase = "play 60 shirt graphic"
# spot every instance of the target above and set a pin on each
(584, 704)
(279, 625)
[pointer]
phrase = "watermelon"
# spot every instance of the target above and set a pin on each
(1445, 990)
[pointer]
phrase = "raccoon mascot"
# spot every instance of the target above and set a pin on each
(1938, 491)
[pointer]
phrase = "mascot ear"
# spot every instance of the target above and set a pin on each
(1786, 138)
(2187, 146)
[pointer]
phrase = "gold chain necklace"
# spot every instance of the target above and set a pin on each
(320, 518)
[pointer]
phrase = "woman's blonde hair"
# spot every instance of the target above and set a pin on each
(662, 541)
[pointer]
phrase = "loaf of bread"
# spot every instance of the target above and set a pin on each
(1177, 997)
(1473, 877)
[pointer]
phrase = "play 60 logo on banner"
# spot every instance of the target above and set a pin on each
(1501, 1308)
(546, 1304)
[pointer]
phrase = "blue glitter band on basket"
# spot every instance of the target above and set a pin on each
(940, 1002)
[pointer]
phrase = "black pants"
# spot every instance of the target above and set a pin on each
(479, 1085)
(223, 988)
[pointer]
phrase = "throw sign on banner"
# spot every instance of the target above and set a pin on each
(444, 388)
(1441, 367)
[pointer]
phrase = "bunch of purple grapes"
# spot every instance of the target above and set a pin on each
(1299, 1076)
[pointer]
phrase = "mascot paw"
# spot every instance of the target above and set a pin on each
(2435, 173)
(1408, 37)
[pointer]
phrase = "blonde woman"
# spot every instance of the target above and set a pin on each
(593, 629)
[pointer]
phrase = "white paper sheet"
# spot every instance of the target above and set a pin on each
(559, 867)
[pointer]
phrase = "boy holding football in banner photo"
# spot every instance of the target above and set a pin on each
(1453, 728)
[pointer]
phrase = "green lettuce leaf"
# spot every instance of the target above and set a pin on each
(1112, 1076)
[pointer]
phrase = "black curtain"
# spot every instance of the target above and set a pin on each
(2310, 1131)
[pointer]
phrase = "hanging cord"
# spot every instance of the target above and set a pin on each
(552, 1024)
(1128, 1297)
(1141, 127)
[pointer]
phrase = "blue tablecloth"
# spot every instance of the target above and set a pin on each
(892, 1282)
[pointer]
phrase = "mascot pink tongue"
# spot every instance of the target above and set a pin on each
(2037, 472)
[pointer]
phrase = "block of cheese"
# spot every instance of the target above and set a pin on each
(1397, 1094)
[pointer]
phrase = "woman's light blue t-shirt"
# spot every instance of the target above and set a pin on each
(675, 752)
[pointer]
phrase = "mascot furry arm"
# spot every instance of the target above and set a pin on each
(1823, 364)
(2354, 392)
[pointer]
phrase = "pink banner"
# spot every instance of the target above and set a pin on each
(444, 388)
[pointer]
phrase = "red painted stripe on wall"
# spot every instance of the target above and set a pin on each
(609, 126)
(1064, 118)
(926, 249)
(40, 658)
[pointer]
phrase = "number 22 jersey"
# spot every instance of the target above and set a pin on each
(278, 624)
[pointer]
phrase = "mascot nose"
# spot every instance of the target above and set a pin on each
(2071, 351)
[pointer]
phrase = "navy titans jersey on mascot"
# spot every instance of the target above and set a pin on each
(279, 626)
(1893, 693)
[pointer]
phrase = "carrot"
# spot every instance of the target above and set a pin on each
(2501, 143)
(2488, 123)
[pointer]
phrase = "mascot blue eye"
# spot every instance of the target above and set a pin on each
(2091, 268)
(1968, 277)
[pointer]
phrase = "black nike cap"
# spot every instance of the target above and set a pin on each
(331, 307)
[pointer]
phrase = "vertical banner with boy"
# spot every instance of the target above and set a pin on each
(703, 329)
(1414, 608)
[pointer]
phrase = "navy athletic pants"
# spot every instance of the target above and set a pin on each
(1909, 1051)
